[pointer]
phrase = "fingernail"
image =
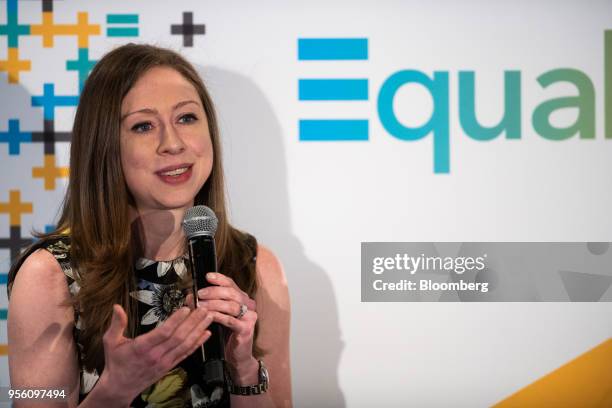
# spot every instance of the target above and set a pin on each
(211, 275)
(203, 292)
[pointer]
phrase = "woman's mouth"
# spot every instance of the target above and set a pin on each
(175, 174)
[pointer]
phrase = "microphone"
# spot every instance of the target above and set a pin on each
(200, 225)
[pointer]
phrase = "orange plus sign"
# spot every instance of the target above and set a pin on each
(48, 29)
(15, 208)
(84, 29)
(13, 65)
(49, 172)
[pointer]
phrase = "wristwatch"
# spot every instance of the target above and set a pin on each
(256, 389)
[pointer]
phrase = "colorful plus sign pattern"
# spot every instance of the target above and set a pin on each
(34, 153)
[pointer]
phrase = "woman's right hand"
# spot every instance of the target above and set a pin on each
(131, 365)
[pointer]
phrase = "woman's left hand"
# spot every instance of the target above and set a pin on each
(223, 301)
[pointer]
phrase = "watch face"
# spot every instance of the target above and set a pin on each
(263, 372)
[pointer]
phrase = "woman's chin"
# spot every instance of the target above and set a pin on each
(182, 205)
(176, 203)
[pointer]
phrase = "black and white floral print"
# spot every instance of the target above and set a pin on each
(178, 265)
(162, 299)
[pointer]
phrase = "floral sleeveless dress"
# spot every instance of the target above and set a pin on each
(158, 296)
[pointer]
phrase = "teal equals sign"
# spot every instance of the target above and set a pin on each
(121, 25)
(326, 50)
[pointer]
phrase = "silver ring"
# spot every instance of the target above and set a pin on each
(243, 310)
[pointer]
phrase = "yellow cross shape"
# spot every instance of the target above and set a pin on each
(49, 172)
(13, 65)
(48, 29)
(15, 208)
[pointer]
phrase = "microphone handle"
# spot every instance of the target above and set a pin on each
(203, 258)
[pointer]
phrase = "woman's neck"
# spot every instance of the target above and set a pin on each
(159, 232)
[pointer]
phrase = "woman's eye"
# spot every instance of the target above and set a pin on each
(190, 117)
(142, 127)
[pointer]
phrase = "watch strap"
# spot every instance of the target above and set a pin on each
(255, 389)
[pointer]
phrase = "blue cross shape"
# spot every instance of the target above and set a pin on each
(14, 137)
(49, 101)
(82, 65)
(12, 29)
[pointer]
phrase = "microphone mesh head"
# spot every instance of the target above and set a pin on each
(199, 220)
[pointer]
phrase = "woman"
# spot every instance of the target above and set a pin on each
(99, 304)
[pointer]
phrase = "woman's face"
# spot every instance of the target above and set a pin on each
(166, 150)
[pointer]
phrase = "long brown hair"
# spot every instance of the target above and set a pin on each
(95, 208)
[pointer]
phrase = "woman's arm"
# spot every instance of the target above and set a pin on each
(274, 315)
(42, 351)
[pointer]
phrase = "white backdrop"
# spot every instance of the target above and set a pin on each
(313, 203)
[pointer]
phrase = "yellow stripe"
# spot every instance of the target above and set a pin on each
(583, 382)
(3, 349)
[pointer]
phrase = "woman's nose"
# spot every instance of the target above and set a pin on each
(170, 141)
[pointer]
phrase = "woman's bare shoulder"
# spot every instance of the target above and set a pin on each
(40, 289)
(40, 269)
(273, 291)
(269, 268)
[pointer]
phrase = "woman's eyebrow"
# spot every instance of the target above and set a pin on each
(178, 105)
(154, 111)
